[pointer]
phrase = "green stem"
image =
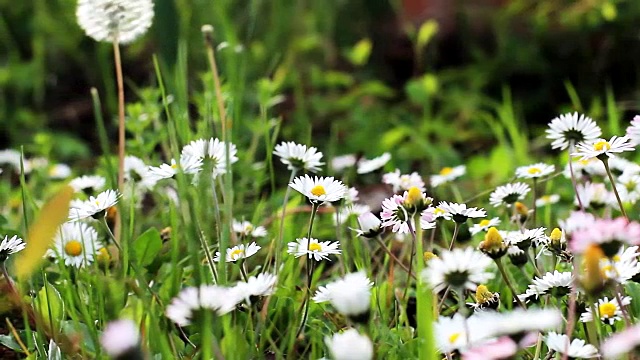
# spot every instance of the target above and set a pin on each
(605, 161)
(424, 298)
(276, 246)
(310, 268)
(505, 277)
(456, 227)
(573, 178)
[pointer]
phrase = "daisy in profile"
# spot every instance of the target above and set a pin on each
(188, 165)
(366, 166)
(76, 244)
(509, 194)
(484, 225)
(535, 171)
(621, 344)
(349, 345)
(319, 190)
(247, 229)
(594, 195)
(256, 286)
(447, 174)
(121, 340)
(115, 20)
(370, 225)
(238, 252)
(485, 299)
(341, 162)
(10, 245)
(95, 207)
(556, 283)
(299, 157)
(608, 234)
(547, 200)
(313, 249)
(569, 129)
(350, 295)
(401, 181)
(577, 349)
(603, 149)
(88, 183)
(609, 311)
(212, 150)
(524, 239)
(633, 131)
(347, 211)
(460, 213)
(218, 299)
(459, 268)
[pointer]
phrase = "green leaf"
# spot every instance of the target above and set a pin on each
(147, 246)
(427, 31)
(8, 341)
(49, 305)
(359, 54)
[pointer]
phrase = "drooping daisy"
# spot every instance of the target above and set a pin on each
(108, 20)
(95, 207)
(134, 168)
(603, 149)
(350, 295)
(547, 200)
(188, 165)
(460, 213)
(121, 338)
(459, 268)
(401, 181)
(366, 166)
(619, 165)
(349, 345)
(239, 252)
(10, 245)
(577, 349)
(517, 256)
(509, 194)
(594, 195)
(76, 244)
(246, 229)
(59, 171)
(341, 162)
(535, 171)
(319, 190)
(484, 225)
(571, 129)
(556, 283)
(633, 131)
(299, 157)
(370, 225)
(609, 311)
(622, 343)
(88, 183)
(314, 249)
(213, 150)
(609, 234)
(343, 214)
(218, 299)
(256, 286)
(447, 174)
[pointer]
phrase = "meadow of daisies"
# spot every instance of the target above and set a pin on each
(190, 245)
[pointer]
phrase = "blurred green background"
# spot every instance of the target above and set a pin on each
(436, 81)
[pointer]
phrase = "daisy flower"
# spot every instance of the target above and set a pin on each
(485, 299)
(458, 333)
(369, 225)
(219, 299)
(87, 183)
(577, 220)
(10, 157)
(577, 349)
(403, 181)
(571, 129)
(10, 245)
(313, 248)
(108, 20)
(427, 219)
(349, 345)
(238, 252)
(520, 321)
(245, 228)
(484, 225)
(623, 266)
(609, 311)
(509, 194)
(134, 168)
(256, 286)
(603, 149)
(95, 207)
(319, 190)
(212, 149)
(120, 337)
(299, 157)
(460, 213)
(609, 234)
(76, 244)
(594, 195)
(498, 349)
(629, 187)
(395, 215)
(188, 165)
(447, 174)
(535, 171)
(366, 166)
(341, 162)
(340, 216)
(633, 131)
(622, 343)
(350, 295)
(547, 200)
(524, 239)
(459, 268)
(59, 171)
(556, 283)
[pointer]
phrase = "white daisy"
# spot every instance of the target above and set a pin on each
(571, 129)
(369, 225)
(261, 285)
(577, 349)
(621, 343)
(459, 268)
(299, 157)
(608, 234)
(520, 321)
(120, 337)
(219, 299)
(484, 225)
(88, 183)
(188, 165)
(341, 162)
(460, 213)
(245, 228)
(10, 157)
(556, 283)
(94, 207)
(525, 238)
(34, 164)
(313, 248)
(609, 311)
(458, 333)
(10, 245)
(403, 181)
(319, 189)
(108, 20)
(134, 168)
(349, 210)
(620, 165)
(547, 200)
(628, 187)
(59, 171)
(535, 171)
(623, 266)
(238, 252)
(602, 148)
(509, 194)
(395, 215)
(76, 244)
(350, 295)
(349, 345)
(428, 218)
(447, 174)
(577, 220)
(633, 131)
(212, 149)
(366, 166)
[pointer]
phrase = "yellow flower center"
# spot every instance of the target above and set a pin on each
(521, 208)
(556, 235)
(174, 166)
(237, 253)
(73, 248)
(318, 190)
(534, 170)
(601, 145)
(414, 196)
(453, 337)
(616, 258)
(439, 211)
(483, 294)
(493, 241)
(484, 223)
(446, 171)
(428, 255)
(584, 162)
(607, 310)
(103, 256)
(315, 247)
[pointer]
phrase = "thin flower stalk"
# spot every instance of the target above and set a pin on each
(310, 268)
(605, 161)
(507, 281)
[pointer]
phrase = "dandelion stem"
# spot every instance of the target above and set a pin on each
(605, 161)
(505, 277)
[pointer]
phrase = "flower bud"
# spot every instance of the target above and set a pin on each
(369, 225)
(493, 245)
